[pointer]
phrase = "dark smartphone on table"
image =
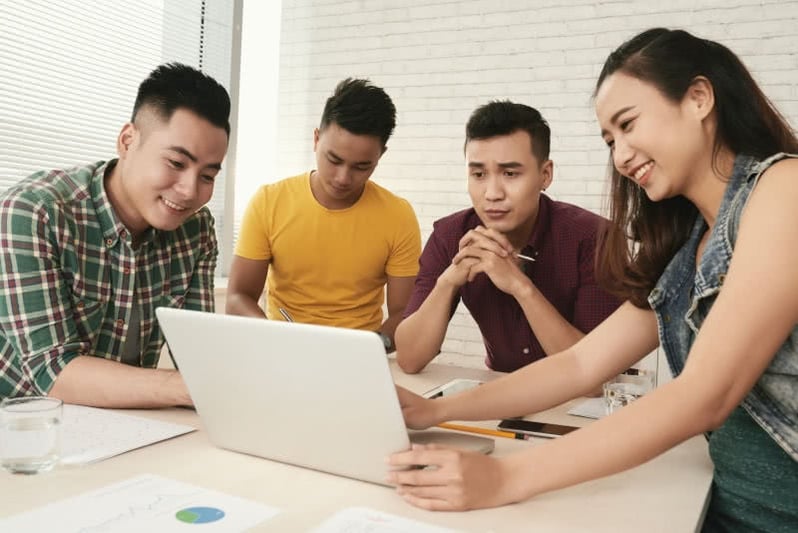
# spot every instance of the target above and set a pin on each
(536, 429)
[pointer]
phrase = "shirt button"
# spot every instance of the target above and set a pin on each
(120, 323)
(127, 270)
(526, 350)
(80, 305)
(109, 242)
(123, 234)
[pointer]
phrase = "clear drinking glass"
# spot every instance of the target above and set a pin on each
(30, 434)
(625, 388)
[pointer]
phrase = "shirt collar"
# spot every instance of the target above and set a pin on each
(112, 228)
(542, 225)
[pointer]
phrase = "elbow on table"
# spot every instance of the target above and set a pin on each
(408, 365)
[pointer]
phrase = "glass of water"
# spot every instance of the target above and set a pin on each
(626, 388)
(30, 434)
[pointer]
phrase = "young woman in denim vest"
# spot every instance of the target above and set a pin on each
(701, 188)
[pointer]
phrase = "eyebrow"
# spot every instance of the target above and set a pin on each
(183, 151)
(614, 118)
(508, 164)
(356, 163)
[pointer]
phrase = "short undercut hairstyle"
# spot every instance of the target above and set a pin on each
(360, 108)
(174, 86)
(502, 117)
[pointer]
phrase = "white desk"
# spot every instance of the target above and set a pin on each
(668, 494)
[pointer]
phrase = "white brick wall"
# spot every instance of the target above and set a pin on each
(440, 59)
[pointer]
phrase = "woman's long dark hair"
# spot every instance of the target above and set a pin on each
(747, 123)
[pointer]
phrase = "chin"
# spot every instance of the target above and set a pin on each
(167, 225)
(656, 195)
(501, 226)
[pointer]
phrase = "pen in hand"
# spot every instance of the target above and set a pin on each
(524, 257)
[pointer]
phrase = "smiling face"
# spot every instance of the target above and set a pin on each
(504, 181)
(344, 163)
(659, 144)
(166, 169)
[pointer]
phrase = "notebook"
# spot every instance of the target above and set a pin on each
(312, 396)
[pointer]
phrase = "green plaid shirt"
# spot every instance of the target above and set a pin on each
(68, 272)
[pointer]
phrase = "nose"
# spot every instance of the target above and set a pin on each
(186, 186)
(342, 176)
(494, 189)
(622, 155)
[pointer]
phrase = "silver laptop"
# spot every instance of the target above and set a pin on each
(313, 396)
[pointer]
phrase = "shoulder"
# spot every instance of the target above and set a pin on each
(387, 202)
(778, 184)
(573, 220)
(454, 226)
(380, 194)
(786, 165)
(463, 220)
(50, 191)
(288, 185)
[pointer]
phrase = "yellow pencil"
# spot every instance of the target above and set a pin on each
(481, 431)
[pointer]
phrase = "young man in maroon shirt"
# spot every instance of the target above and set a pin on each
(521, 262)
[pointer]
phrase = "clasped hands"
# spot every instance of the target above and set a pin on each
(487, 251)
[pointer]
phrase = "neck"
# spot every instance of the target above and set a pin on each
(706, 192)
(519, 237)
(329, 203)
(121, 205)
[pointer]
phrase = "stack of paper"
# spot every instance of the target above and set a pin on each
(90, 434)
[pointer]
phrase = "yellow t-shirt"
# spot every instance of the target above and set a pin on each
(329, 266)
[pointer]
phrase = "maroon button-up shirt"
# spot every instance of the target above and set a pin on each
(563, 243)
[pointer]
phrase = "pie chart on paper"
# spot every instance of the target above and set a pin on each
(199, 515)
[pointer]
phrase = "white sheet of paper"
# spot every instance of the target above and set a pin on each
(592, 408)
(364, 520)
(89, 434)
(144, 503)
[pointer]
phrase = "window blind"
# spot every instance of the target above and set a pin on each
(71, 70)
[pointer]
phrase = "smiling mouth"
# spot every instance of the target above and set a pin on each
(172, 205)
(642, 171)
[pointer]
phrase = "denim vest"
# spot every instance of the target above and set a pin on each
(683, 297)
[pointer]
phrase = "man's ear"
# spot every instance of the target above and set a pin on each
(126, 139)
(315, 138)
(547, 171)
(700, 97)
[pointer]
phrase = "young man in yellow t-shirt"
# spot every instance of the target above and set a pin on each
(330, 240)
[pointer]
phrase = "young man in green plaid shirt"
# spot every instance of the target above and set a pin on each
(88, 253)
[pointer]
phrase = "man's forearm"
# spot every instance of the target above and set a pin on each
(552, 330)
(243, 305)
(98, 382)
(388, 328)
(419, 337)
